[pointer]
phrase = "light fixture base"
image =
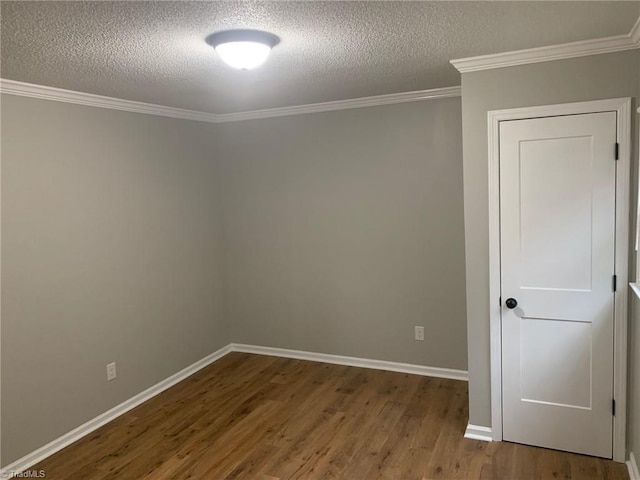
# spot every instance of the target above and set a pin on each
(243, 35)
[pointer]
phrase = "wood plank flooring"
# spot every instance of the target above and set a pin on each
(268, 418)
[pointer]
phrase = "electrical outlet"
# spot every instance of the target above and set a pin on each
(419, 333)
(111, 371)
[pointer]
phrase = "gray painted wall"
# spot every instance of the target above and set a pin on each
(344, 230)
(110, 252)
(341, 232)
(589, 78)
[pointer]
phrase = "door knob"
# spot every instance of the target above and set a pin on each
(511, 303)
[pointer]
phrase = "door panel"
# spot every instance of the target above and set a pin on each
(553, 177)
(557, 219)
(563, 348)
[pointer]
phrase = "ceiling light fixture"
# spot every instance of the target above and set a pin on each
(243, 49)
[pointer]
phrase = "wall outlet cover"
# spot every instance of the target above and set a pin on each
(111, 371)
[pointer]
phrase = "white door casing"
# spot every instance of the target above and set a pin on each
(557, 222)
(622, 109)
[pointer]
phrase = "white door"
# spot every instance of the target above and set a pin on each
(557, 220)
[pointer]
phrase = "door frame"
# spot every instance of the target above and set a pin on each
(622, 106)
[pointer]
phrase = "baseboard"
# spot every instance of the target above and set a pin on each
(632, 466)
(476, 432)
(76, 434)
(354, 361)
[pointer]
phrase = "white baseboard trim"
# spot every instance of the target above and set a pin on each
(476, 432)
(354, 361)
(76, 434)
(85, 429)
(632, 466)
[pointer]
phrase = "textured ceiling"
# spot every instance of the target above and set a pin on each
(155, 52)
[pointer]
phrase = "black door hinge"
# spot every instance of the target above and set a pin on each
(500, 301)
(615, 283)
(617, 151)
(613, 407)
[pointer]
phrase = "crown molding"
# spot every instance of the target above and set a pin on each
(362, 102)
(12, 87)
(583, 48)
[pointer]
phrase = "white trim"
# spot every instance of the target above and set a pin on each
(582, 48)
(476, 432)
(375, 101)
(76, 434)
(85, 429)
(495, 327)
(354, 361)
(12, 87)
(635, 288)
(632, 466)
(621, 266)
(622, 106)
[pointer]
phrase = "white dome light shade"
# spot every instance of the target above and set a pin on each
(243, 49)
(243, 55)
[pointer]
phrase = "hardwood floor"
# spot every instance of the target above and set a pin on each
(268, 418)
